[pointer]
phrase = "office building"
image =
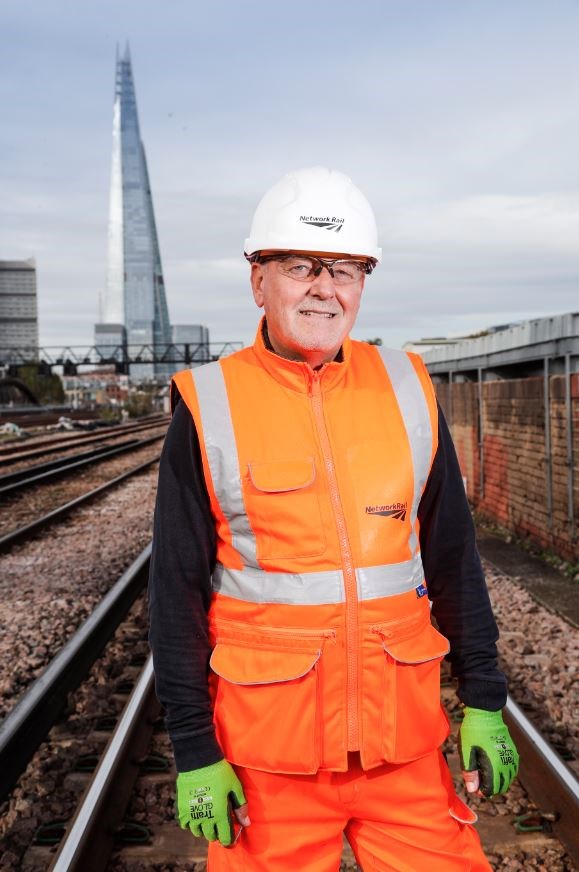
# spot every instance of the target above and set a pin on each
(18, 305)
(134, 295)
(195, 337)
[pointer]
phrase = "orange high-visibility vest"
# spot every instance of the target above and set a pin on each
(321, 632)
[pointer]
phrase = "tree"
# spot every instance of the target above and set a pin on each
(45, 385)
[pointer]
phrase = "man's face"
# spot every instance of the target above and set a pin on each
(306, 320)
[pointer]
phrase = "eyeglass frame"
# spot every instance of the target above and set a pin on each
(257, 257)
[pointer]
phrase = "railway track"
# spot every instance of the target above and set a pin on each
(16, 452)
(93, 824)
(35, 497)
(32, 528)
(30, 720)
(88, 841)
(14, 482)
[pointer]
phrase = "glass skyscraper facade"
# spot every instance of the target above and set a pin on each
(134, 295)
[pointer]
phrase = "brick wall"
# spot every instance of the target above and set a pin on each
(514, 486)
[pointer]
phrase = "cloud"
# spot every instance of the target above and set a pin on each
(457, 120)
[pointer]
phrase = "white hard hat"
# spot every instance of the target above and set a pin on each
(315, 209)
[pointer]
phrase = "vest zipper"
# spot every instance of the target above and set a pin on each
(350, 584)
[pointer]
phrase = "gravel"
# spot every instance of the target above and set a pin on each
(539, 652)
(37, 500)
(50, 585)
(46, 792)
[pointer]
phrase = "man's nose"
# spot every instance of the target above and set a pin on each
(323, 285)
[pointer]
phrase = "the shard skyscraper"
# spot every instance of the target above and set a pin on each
(134, 305)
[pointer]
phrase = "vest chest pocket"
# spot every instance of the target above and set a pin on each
(413, 721)
(266, 706)
(282, 502)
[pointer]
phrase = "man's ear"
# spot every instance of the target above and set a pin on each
(257, 278)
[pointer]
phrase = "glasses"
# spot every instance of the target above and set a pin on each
(305, 269)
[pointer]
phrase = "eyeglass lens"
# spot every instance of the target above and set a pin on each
(304, 269)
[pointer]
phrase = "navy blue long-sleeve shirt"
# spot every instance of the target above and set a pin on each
(183, 558)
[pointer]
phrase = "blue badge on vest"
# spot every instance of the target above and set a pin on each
(421, 590)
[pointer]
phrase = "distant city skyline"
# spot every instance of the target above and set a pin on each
(457, 120)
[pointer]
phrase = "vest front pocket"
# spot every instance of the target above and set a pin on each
(413, 720)
(266, 706)
(282, 502)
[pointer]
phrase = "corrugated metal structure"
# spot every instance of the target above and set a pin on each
(514, 351)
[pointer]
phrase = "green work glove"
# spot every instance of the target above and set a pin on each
(205, 799)
(486, 746)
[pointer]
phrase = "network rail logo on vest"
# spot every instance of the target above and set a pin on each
(334, 224)
(392, 510)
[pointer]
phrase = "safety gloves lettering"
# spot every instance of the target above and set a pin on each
(486, 748)
(205, 801)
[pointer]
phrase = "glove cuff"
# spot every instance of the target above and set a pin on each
(482, 716)
(214, 769)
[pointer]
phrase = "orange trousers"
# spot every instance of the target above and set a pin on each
(400, 818)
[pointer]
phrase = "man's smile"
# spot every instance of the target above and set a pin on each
(319, 314)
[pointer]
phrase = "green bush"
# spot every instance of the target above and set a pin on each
(46, 386)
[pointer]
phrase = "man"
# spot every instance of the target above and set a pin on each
(310, 508)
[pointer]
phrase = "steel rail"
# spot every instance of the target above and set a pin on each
(89, 839)
(26, 726)
(14, 483)
(28, 530)
(88, 842)
(550, 782)
(33, 473)
(16, 453)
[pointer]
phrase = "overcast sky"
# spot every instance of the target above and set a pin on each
(459, 119)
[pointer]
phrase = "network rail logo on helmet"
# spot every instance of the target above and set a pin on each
(334, 224)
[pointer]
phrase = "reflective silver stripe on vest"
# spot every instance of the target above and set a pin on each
(316, 588)
(389, 580)
(414, 408)
(221, 450)
(257, 586)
